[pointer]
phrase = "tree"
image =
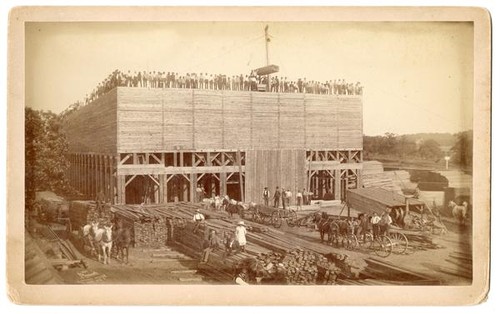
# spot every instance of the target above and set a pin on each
(46, 149)
(430, 149)
(462, 151)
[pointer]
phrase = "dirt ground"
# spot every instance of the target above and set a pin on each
(167, 266)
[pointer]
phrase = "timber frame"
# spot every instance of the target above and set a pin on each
(176, 175)
(92, 173)
(333, 171)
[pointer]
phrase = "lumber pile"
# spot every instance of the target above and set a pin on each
(82, 213)
(378, 272)
(300, 267)
(373, 176)
(462, 263)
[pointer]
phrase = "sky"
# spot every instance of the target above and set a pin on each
(417, 76)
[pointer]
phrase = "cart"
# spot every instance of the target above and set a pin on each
(273, 216)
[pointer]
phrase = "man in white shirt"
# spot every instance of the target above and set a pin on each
(197, 218)
(240, 234)
(299, 200)
(374, 221)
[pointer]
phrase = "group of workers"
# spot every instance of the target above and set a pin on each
(377, 224)
(285, 198)
(252, 82)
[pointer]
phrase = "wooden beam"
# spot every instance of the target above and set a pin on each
(157, 170)
(130, 180)
(121, 189)
(154, 180)
(240, 171)
(337, 184)
(223, 180)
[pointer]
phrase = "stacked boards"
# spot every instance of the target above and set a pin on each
(373, 176)
(94, 127)
(154, 120)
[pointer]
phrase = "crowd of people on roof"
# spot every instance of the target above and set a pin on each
(252, 82)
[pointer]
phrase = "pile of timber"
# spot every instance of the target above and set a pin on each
(378, 272)
(373, 176)
(51, 202)
(148, 228)
(296, 260)
(462, 263)
(300, 267)
(82, 213)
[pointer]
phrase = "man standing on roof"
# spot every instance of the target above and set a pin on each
(197, 219)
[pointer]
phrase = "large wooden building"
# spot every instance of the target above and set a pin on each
(158, 145)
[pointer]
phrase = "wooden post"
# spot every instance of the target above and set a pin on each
(223, 175)
(114, 179)
(88, 176)
(161, 189)
(96, 175)
(121, 189)
(337, 184)
(242, 191)
(193, 180)
(359, 179)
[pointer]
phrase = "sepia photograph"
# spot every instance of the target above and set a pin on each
(196, 150)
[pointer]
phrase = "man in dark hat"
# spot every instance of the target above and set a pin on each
(265, 196)
(276, 197)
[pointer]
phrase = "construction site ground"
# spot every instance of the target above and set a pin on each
(166, 265)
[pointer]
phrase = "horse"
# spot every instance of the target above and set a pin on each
(122, 240)
(459, 212)
(103, 239)
(86, 238)
(325, 226)
(235, 207)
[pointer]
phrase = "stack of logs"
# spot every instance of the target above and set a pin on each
(301, 267)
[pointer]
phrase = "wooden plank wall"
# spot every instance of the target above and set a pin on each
(272, 168)
(349, 122)
(140, 121)
(154, 120)
(236, 121)
(92, 129)
(321, 122)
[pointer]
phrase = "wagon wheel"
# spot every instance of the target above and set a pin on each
(276, 219)
(255, 217)
(366, 241)
(265, 219)
(383, 246)
(291, 218)
(351, 242)
(399, 242)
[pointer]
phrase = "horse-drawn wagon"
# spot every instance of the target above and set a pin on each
(272, 216)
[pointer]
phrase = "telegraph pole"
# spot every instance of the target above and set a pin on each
(266, 37)
(267, 43)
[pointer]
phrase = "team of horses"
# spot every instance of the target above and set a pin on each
(102, 239)
(334, 229)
